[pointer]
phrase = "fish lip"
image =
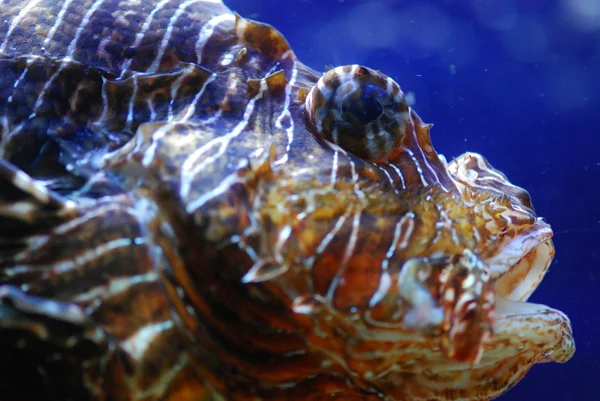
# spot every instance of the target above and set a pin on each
(517, 271)
(519, 267)
(535, 326)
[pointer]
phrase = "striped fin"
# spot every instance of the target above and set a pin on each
(26, 207)
(41, 340)
(83, 313)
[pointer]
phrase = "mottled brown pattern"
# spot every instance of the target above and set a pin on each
(187, 212)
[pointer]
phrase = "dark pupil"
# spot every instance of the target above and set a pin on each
(366, 109)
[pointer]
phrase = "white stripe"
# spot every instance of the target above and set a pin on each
(132, 101)
(24, 11)
(90, 255)
(212, 119)
(19, 210)
(59, 20)
(142, 33)
(165, 42)
(138, 344)
(348, 252)
(24, 182)
(286, 109)
(430, 167)
(328, 238)
(389, 177)
(356, 184)
(417, 165)
(72, 224)
(82, 26)
(408, 218)
(115, 286)
(151, 108)
(104, 95)
(334, 168)
(218, 190)
(397, 170)
(284, 235)
(393, 245)
(207, 31)
(385, 282)
(149, 154)
(72, 263)
(174, 89)
(9, 136)
(18, 81)
(191, 109)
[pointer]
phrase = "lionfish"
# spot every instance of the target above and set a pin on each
(188, 212)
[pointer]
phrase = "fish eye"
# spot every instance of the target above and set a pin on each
(366, 108)
(361, 110)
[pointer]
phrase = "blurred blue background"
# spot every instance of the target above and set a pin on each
(517, 81)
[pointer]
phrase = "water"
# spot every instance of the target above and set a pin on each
(516, 81)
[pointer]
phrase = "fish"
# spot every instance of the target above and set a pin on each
(189, 212)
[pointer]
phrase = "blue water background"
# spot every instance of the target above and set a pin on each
(517, 81)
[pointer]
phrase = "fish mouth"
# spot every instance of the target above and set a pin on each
(522, 327)
(520, 266)
(531, 332)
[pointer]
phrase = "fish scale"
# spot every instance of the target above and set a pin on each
(188, 212)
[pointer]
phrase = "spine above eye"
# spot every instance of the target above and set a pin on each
(361, 110)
